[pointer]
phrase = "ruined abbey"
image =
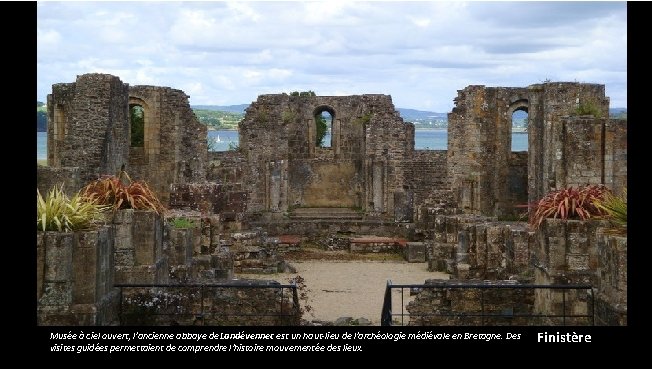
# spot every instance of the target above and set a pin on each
(446, 208)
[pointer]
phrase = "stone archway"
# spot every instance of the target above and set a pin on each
(151, 144)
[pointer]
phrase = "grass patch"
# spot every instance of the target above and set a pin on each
(183, 223)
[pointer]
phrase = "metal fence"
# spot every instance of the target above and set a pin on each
(485, 316)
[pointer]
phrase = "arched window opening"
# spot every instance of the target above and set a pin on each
(324, 123)
(137, 119)
(519, 129)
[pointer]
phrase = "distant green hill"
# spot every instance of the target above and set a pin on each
(216, 119)
(618, 113)
(41, 117)
(240, 108)
(227, 117)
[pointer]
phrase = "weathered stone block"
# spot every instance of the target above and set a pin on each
(85, 271)
(463, 242)
(577, 262)
(55, 316)
(554, 227)
(451, 229)
(56, 294)
(123, 216)
(463, 270)
(147, 237)
(557, 252)
(58, 256)
(137, 274)
(415, 252)
(495, 239)
(180, 246)
(124, 258)
(124, 236)
(40, 263)
(577, 243)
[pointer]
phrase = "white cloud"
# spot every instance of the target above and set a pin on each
(419, 52)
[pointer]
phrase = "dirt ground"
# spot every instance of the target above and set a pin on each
(340, 284)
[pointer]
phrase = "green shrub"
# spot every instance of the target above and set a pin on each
(365, 119)
(233, 146)
(137, 119)
(322, 129)
(57, 212)
(210, 144)
(288, 116)
(183, 223)
(588, 108)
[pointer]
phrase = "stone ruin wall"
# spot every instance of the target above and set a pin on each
(78, 274)
(475, 248)
(175, 146)
(89, 128)
(372, 160)
(371, 164)
(487, 178)
(67, 177)
(88, 125)
(278, 135)
(75, 278)
(427, 182)
(573, 251)
(590, 151)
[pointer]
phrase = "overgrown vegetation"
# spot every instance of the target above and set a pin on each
(303, 93)
(588, 108)
(214, 119)
(615, 209)
(365, 119)
(210, 144)
(233, 146)
(322, 129)
(302, 291)
(182, 223)
(120, 192)
(58, 212)
(570, 203)
(137, 119)
(288, 116)
(41, 117)
(261, 116)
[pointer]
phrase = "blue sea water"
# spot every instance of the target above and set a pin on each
(41, 145)
(220, 140)
(424, 139)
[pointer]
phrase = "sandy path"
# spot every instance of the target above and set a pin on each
(353, 288)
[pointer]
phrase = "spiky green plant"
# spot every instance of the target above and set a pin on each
(57, 212)
(615, 208)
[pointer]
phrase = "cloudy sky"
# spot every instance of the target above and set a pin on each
(421, 53)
